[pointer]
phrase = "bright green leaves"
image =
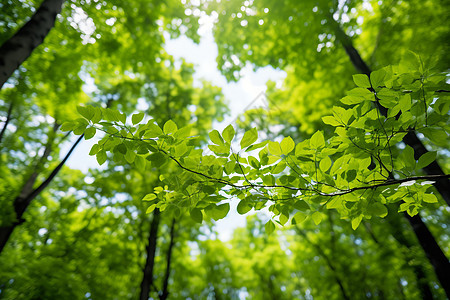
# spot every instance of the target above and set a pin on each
(101, 157)
(269, 227)
(425, 160)
(228, 133)
(89, 133)
(377, 78)
(250, 136)
(244, 207)
(218, 212)
(170, 127)
(361, 80)
(136, 118)
(221, 147)
(325, 164)
(287, 145)
(216, 138)
(317, 217)
(317, 141)
(152, 131)
(274, 148)
(196, 215)
(356, 221)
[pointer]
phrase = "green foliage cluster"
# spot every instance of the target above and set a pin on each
(354, 172)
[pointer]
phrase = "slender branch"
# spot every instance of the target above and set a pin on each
(8, 118)
(165, 290)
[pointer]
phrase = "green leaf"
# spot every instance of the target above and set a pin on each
(228, 133)
(149, 197)
(139, 162)
(68, 126)
(299, 218)
(153, 131)
(356, 221)
(378, 209)
(249, 137)
(101, 157)
(283, 219)
(130, 156)
(301, 205)
(436, 135)
(317, 140)
(244, 207)
(170, 127)
(278, 168)
(317, 217)
(325, 164)
(254, 162)
(89, 133)
(86, 111)
(377, 78)
(196, 215)
(426, 159)
(94, 150)
(361, 80)
(287, 145)
(150, 209)
(330, 120)
(215, 137)
(407, 157)
(361, 92)
(429, 198)
(270, 227)
(275, 148)
(136, 118)
(350, 100)
(220, 211)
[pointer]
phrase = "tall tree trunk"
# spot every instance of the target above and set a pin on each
(147, 280)
(27, 194)
(8, 119)
(20, 46)
(397, 232)
(433, 252)
(165, 290)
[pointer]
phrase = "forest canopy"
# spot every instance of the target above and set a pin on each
(343, 178)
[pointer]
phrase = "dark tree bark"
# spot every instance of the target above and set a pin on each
(27, 194)
(165, 289)
(398, 234)
(8, 119)
(433, 252)
(20, 46)
(147, 280)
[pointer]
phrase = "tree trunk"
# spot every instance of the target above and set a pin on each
(27, 194)
(8, 119)
(397, 232)
(20, 46)
(147, 280)
(433, 252)
(165, 290)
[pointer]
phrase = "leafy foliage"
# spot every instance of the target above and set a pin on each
(354, 172)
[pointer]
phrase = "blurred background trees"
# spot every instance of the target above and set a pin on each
(85, 234)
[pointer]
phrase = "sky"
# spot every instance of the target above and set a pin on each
(239, 96)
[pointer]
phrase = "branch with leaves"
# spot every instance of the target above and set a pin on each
(357, 171)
